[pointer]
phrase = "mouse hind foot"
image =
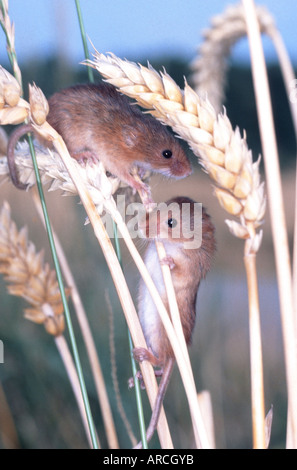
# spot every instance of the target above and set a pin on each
(140, 355)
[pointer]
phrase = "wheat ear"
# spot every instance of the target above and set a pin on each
(211, 64)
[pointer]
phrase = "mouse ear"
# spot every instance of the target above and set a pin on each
(130, 136)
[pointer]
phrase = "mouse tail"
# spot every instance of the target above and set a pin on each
(13, 140)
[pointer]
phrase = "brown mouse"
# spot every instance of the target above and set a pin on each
(98, 123)
(189, 263)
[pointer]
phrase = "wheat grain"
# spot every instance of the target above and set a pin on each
(38, 104)
(53, 172)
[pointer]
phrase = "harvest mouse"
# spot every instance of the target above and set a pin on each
(189, 263)
(98, 123)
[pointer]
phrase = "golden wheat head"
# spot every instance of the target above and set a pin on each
(28, 276)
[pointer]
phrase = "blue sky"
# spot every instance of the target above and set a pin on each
(131, 28)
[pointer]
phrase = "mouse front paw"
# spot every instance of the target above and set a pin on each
(84, 157)
(169, 261)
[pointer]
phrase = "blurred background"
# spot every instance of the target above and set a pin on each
(32, 377)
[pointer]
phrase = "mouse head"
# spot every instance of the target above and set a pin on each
(156, 149)
(180, 220)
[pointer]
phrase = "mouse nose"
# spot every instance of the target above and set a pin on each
(181, 169)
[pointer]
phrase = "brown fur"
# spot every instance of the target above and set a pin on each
(188, 268)
(98, 123)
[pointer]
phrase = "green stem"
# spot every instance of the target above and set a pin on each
(64, 299)
(10, 52)
(118, 252)
(138, 397)
(84, 39)
(133, 363)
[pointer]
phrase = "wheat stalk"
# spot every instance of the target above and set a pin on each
(290, 85)
(278, 223)
(211, 64)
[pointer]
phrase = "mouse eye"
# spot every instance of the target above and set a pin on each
(172, 223)
(167, 153)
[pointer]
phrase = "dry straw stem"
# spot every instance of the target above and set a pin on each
(87, 336)
(63, 349)
(173, 307)
(201, 438)
(222, 152)
(114, 374)
(256, 360)
(275, 196)
(291, 87)
(210, 65)
(29, 277)
(204, 399)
